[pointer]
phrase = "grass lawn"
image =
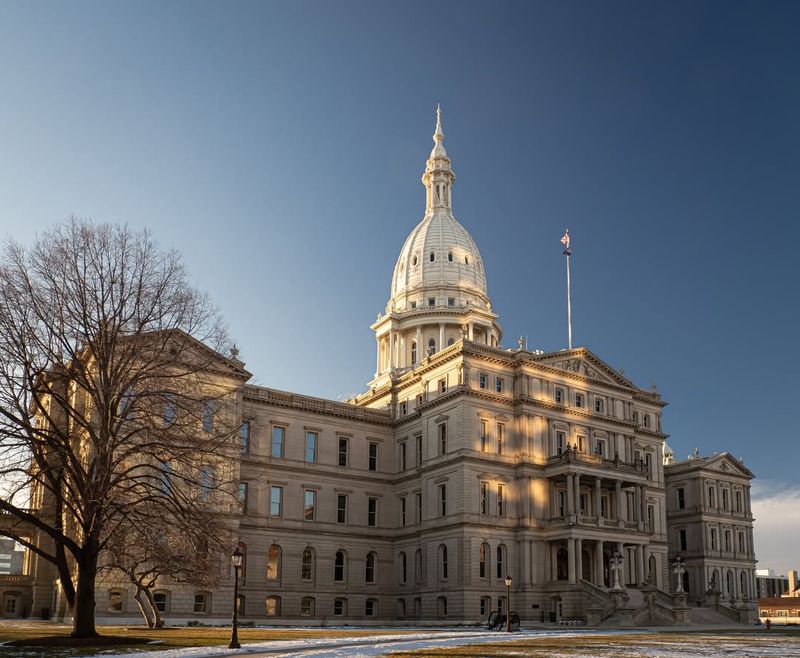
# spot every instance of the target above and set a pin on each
(735, 643)
(168, 638)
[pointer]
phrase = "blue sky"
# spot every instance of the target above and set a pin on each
(279, 147)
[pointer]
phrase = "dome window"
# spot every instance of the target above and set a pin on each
(450, 256)
(450, 341)
(466, 259)
(414, 261)
(433, 256)
(432, 346)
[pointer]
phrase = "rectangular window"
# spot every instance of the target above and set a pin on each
(208, 417)
(340, 607)
(738, 501)
(243, 496)
(403, 408)
(206, 481)
(561, 442)
(741, 542)
(312, 439)
(562, 503)
(681, 498)
(711, 497)
(403, 464)
(725, 499)
(581, 441)
(713, 539)
(584, 503)
(501, 509)
(201, 602)
(600, 447)
(442, 500)
(344, 444)
(341, 508)
(443, 439)
(170, 410)
(501, 437)
(451, 301)
(682, 539)
(309, 505)
(419, 508)
(372, 462)
(278, 436)
(431, 301)
(647, 420)
(558, 396)
(599, 405)
(275, 501)
(403, 511)
(604, 507)
(442, 386)
(727, 540)
(166, 478)
(579, 400)
(499, 384)
(160, 599)
(484, 497)
(413, 305)
(484, 438)
(372, 512)
(244, 435)
(483, 380)
(418, 440)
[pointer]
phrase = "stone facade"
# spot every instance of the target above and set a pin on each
(465, 462)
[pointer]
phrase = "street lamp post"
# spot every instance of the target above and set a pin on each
(508, 604)
(236, 561)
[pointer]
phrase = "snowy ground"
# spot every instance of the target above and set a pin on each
(586, 644)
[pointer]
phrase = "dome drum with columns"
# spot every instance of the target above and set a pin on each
(438, 293)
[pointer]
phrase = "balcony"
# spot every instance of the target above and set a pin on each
(572, 455)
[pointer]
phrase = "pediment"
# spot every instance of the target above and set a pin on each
(727, 463)
(585, 364)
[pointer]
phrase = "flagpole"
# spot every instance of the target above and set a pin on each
(569, 304)
(568, 253)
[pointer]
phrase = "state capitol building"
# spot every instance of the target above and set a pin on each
(466, 462)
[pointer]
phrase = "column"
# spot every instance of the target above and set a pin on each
(471, 332)
(598, 564)
(639, 564)
(637, 497)
(441, 336)
(553, 561)
(597, 497)
(570, 494)
(391, 350)
(377, 356)
(578, 559)
(618, 486)
(577, 493)
(420, 350)
(571, 560)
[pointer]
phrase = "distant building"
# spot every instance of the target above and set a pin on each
(769, 584)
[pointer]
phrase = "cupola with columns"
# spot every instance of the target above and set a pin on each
(438, 293)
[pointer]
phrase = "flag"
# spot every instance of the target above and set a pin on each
(565, 242)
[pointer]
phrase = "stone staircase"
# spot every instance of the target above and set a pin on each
(633, 607)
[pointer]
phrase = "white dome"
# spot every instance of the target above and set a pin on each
(440, 253)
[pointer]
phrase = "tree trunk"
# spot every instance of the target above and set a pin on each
(144, 606)
(83, 610)
(158, 622)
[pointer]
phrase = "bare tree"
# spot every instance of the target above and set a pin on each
(150, 548)
(115, 399)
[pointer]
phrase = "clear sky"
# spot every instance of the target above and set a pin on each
(279, 146)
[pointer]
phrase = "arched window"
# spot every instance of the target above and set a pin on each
(433, 257)
(403, 568)
(274, 562)
(432, 345)
(418, 574)
(414, 352)
(273, 606)
(450, 341)
(443, 562)
(742, 584)
(307, 606)
(339, 567)
(501, 555)
(414, 261)
(307, 569)
(730, 583)
(484, 552)
(369, 568)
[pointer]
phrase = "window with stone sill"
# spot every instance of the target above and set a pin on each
(202, 603)
(161, 600)
(307, 606)
(244, 436)
(372, 458)
(451, 301)
(499, 385)
(371, 608)
(372, 512)
(483, 380)
(403, 408)
(273, 606)
(431, 301)
(339, 607)
(344, 445)
(558, 395)
(579, 400)
(442, 386)
(413, 305)
(599, 405)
